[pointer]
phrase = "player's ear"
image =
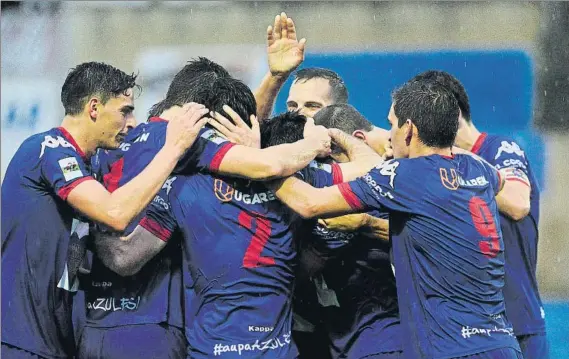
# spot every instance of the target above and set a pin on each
(408, 132)
(93, 107)
(359, 134)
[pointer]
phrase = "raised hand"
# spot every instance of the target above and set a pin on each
(320, 136)
(238, 131)
(285, 52)
(184, 126)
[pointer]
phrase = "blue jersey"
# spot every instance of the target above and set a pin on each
(240, 257)
(41, 251)
(154, 294)
(447, 252)
(523, 303)
(358, 290)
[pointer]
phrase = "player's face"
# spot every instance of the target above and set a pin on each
(309, 97)
(398, 136)
(115, 118)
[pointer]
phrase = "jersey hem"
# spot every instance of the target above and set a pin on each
(477, 351)
(35, 352)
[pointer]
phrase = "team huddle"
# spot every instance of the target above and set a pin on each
(215, 230)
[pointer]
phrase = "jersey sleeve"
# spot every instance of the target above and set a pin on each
(494, 176)
(509, 155)
(159, 218)
(62, 168)
(206, 153)
(321, 175)
(391, 186)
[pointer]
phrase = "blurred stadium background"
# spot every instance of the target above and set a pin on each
(513, 58)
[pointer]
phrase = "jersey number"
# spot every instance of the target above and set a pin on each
(485, 225)
(252, 258)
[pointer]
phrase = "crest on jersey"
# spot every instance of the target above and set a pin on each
(449, 178)
(70, 168)
(223, 191)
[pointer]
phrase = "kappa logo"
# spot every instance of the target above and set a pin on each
(223, 191)
(450, 182)
(509, 147)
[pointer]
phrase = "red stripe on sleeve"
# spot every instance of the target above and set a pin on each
(337, 175)
(155, 228)
(479, 141)
(519, 180)
(111, 180)
(216, 161)
(64, 191)
(349, 196)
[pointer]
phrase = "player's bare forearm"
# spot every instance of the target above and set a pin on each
(266, 94)
(514, 200)
(310, 202)
(362, 157)
(268, 163)
(118, 209)
(374, 227)
(126, 255)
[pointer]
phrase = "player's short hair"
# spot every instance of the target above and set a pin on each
(338, 90)
(344, 117)
(93, 78)
(186, 81)
(432, 108)
(453, 84)
(231, 92)
(284, 128)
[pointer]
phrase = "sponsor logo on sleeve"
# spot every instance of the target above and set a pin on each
(51, 142)
(70, 168)
(213, 136)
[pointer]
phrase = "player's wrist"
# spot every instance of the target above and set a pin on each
(170, 153)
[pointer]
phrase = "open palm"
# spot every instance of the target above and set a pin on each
(285, 52)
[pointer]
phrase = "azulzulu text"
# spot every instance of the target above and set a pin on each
(271, 344)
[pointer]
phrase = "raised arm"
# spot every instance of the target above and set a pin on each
(119, 208)
(277, 161)
(285, 54)
(362, 157)
(310, 202)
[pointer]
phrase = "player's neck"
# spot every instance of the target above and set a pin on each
(467, 136)
(422, 151)
(169, 113)
(79, 129)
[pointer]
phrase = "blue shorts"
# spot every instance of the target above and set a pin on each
(12, 352)
(534, 346)
(144, 341)
(502, 353)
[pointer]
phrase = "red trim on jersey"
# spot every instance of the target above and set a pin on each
(71, 140)
(218, 157)
(64, 191)
(111, 179)
(337, 175)
(448, 157)
(519, 180)
(479, 141)
(349, 196)
(499, 180)
(155, 228)
(156, 119)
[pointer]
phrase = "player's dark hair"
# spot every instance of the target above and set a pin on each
(344, 117)
(197, 72)
(432, 108)
(338, 90)
(284, 128)
(90, 79)
(453, 84)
